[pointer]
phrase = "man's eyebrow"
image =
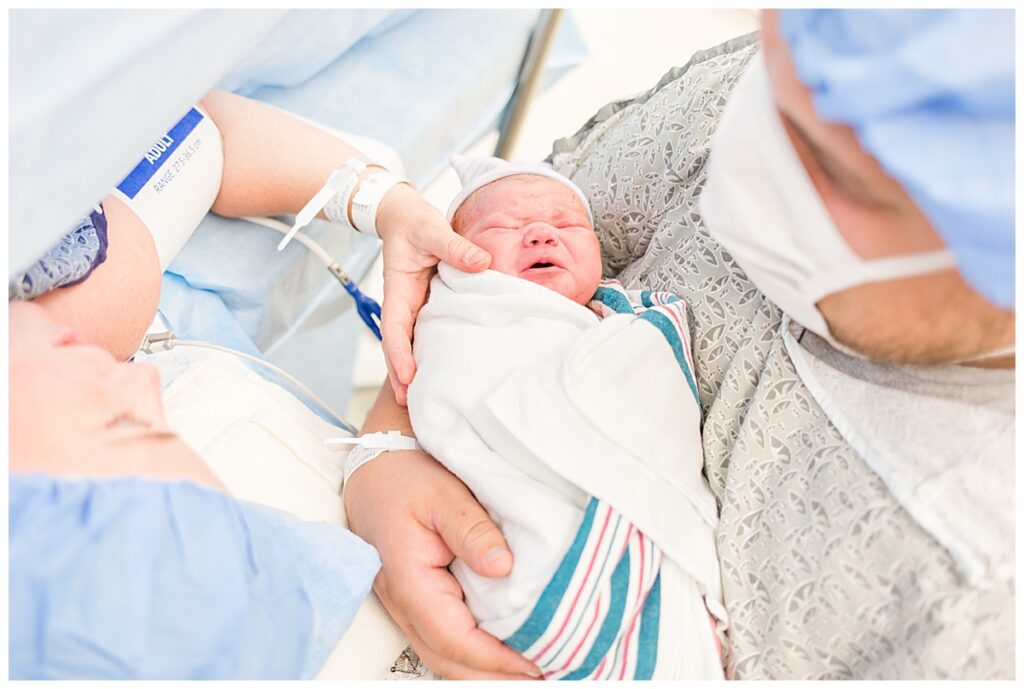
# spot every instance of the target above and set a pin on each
(849, 182)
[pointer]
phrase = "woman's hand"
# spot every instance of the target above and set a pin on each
(416, 238)
(420, 517)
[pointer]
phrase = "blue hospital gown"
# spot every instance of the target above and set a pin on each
(127, 578)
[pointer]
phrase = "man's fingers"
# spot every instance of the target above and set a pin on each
(449, 669)
(435, 610)
(471, 535)
(472, 647)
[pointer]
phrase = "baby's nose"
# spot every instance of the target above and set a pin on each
(539, 233)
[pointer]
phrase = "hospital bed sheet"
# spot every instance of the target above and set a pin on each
(429, 86)
(302, 43)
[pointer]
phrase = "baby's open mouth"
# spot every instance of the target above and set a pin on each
(541, 264)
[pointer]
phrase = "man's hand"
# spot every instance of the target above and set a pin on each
(416, 238)
(420, 517)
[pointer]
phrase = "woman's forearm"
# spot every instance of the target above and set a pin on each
(273, 162)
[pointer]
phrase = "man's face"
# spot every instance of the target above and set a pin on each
(535, 229)
(925, 319)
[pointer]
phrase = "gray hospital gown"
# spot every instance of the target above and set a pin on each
(825, 574)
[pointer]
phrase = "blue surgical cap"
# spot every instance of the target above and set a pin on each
(930, 94)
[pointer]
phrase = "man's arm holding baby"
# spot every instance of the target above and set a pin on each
(420, 517)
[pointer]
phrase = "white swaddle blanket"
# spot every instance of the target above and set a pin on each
(581, 438)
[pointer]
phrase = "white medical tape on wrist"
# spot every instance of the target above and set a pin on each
(344, 177)
(367, 200)
(174, 186)
(370, 446)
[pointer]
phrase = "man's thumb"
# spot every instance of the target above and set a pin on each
(471, 535)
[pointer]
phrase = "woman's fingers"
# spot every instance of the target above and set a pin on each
(416, 237)
(398, 357)
(454, 249)
(404, 294)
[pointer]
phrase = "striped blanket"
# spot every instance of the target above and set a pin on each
(577, 428)
(598, 617)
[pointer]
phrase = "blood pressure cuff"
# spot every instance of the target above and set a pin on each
(74, 258)
(133, 579)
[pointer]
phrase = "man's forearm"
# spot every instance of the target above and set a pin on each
(387, 414)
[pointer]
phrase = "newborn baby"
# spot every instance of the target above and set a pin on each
(568, 406)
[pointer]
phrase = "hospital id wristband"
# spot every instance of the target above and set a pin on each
(367, 200)
(370, 446)
(357, 458)
(341, 182)
(336, 209)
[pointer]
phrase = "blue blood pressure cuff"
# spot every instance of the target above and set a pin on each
(79, 252)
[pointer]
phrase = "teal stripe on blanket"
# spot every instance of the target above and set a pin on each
(542, 613)
(665, 325)
(646, 298)
(612, 626)
(613, 299)
(607, 562)
(648, 639)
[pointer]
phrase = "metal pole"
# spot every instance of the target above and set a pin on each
(529, 74)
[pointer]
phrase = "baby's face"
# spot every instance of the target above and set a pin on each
(535, 229)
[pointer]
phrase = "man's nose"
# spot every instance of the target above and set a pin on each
(539, 233)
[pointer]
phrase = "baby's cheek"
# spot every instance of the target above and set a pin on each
(593, 262)
(587, 277)
(502, 256)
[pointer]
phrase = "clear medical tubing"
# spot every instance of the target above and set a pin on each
(159, 342)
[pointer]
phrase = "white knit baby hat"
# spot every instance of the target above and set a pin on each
(477, 172)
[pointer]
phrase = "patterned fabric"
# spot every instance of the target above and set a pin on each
(598, 617)
(824, 574)
(68, 263)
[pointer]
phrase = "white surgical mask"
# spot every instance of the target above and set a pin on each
(759, 203)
